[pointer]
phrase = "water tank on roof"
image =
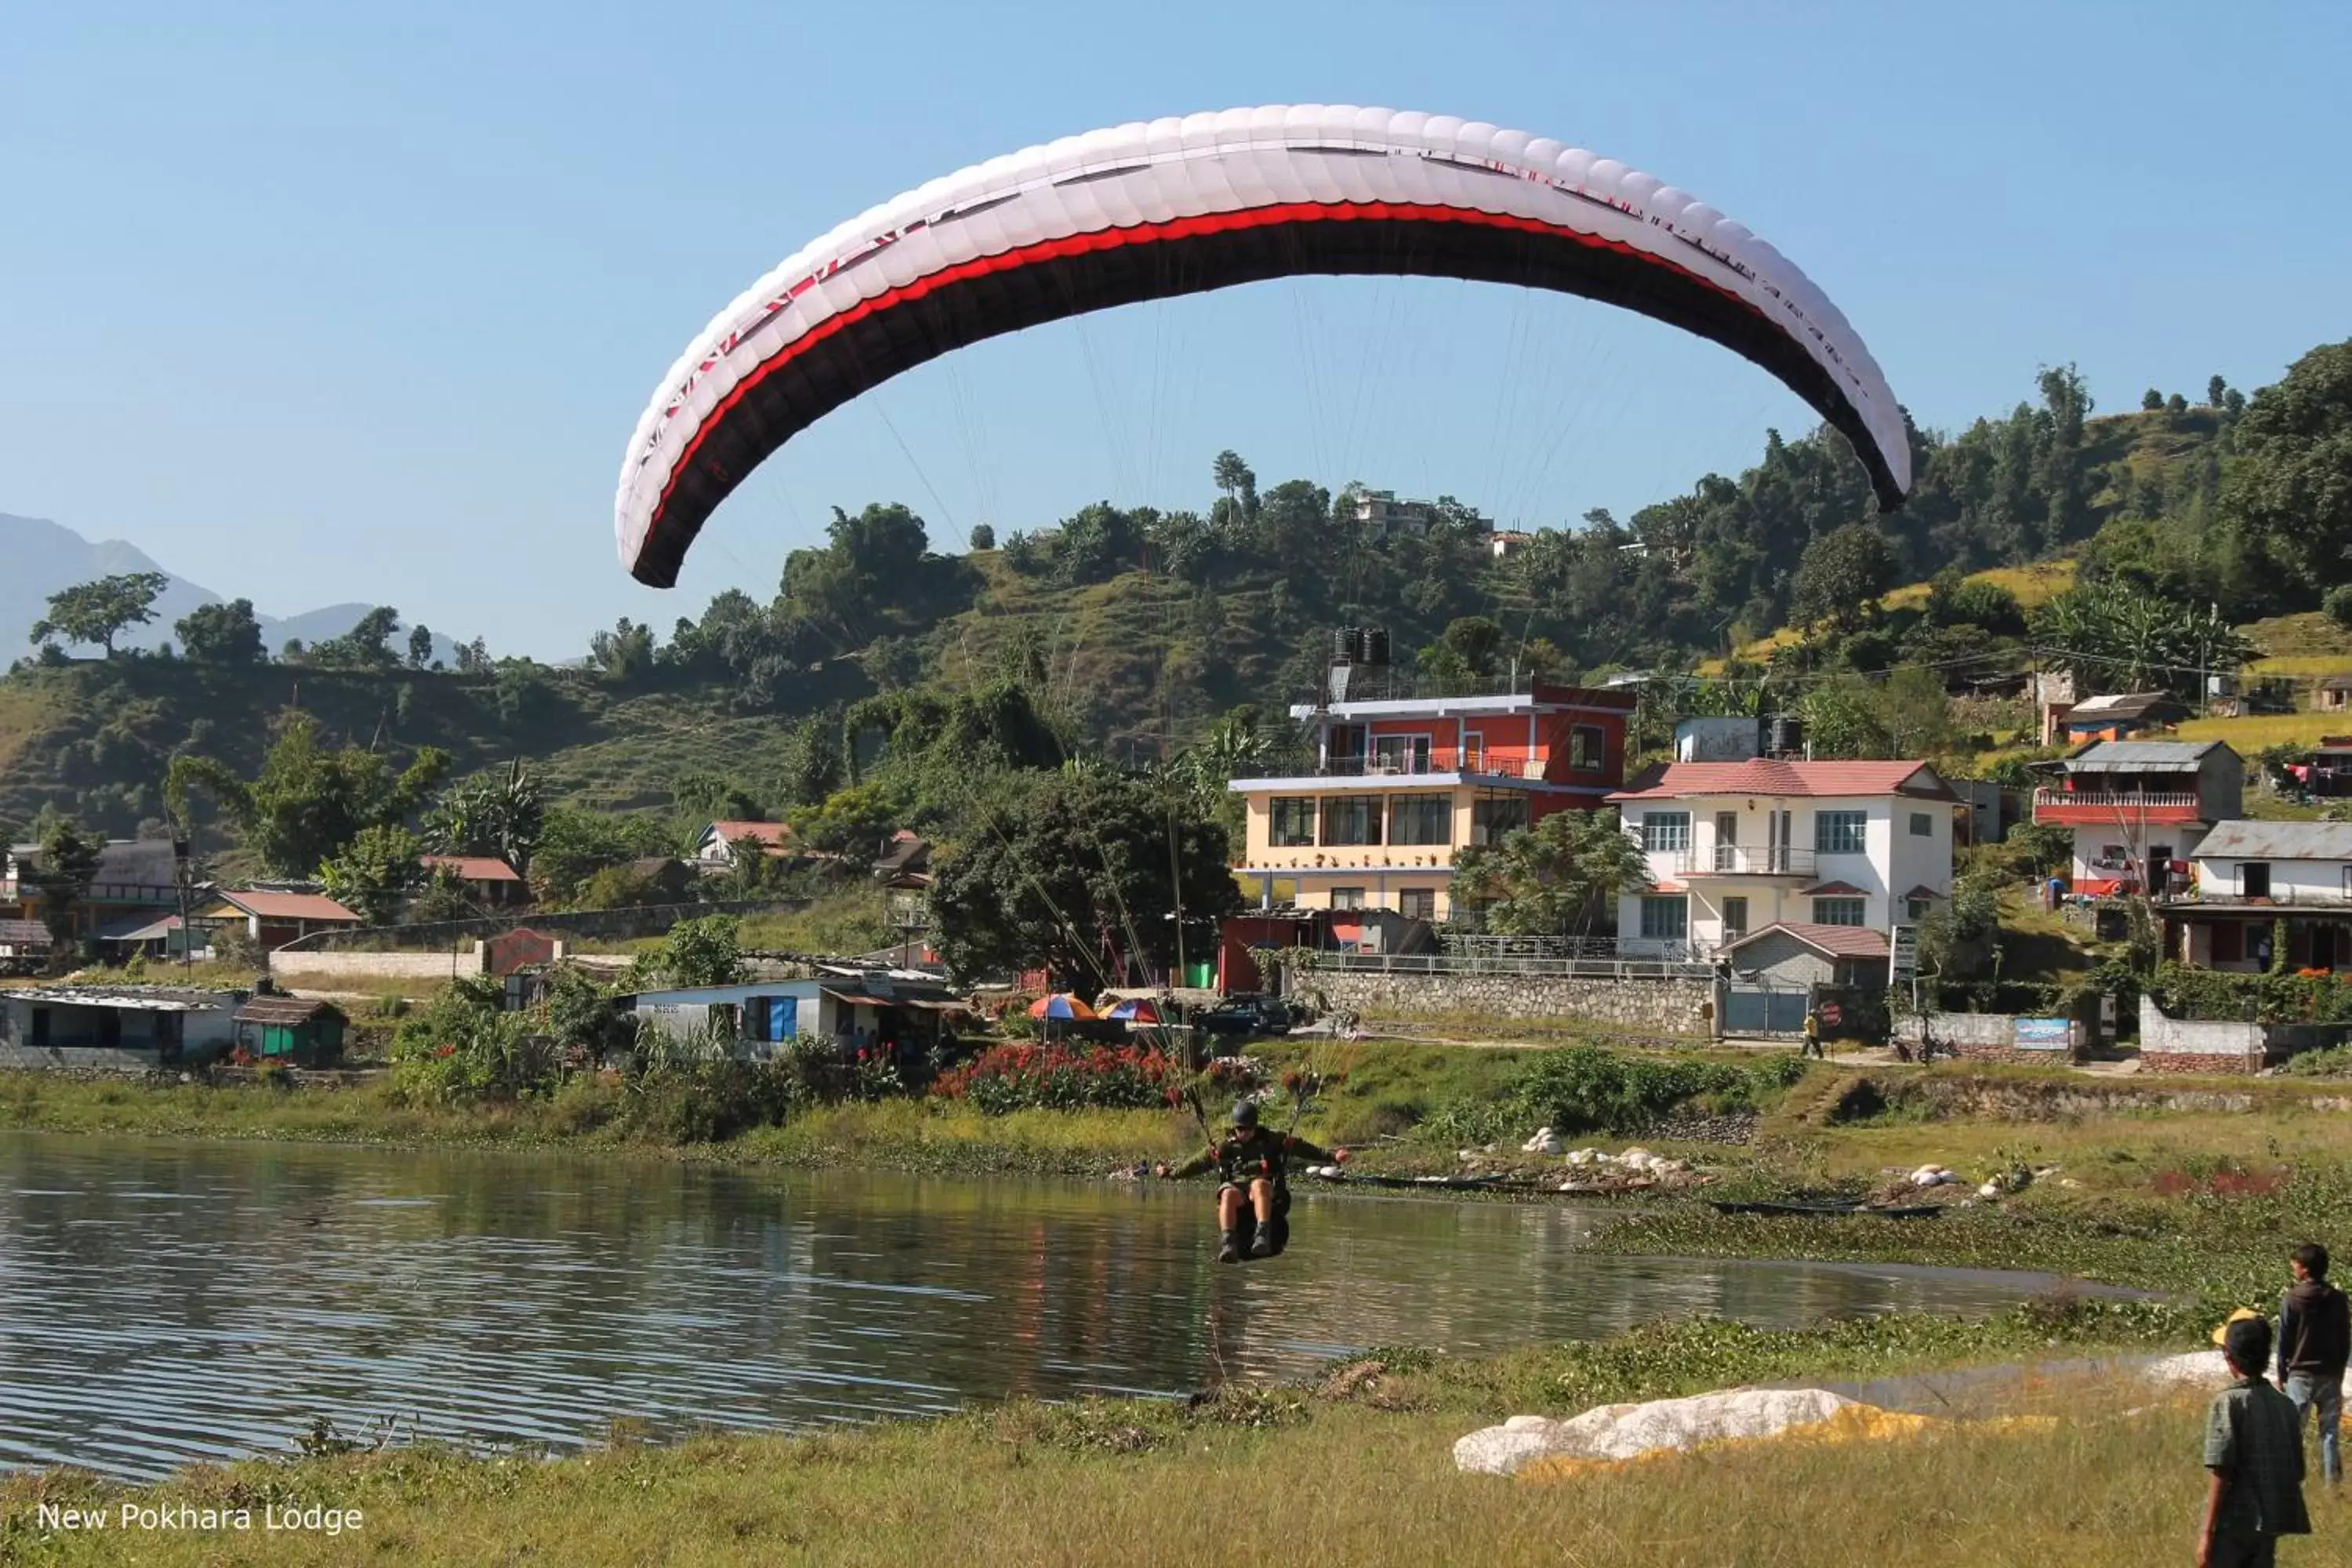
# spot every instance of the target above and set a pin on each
(1785, 736)
(1345, 643)
(1375, 646)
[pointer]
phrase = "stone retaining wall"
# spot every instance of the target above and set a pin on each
(2190, 1044)
(1978, 1037)
(1676, 1007)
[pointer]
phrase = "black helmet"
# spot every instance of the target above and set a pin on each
(1245, 1113)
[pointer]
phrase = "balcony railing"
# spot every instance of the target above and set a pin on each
(2125, 804)
(1437, 760)
(1735, 860)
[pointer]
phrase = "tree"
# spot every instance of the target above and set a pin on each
(101, 611)
(68, 863)
(2286, 488)
(222, 633)
(1841, 577)
(813, 764)
(307, 803)
(364, 646)
(706, 951)
(503, 815)
(1232, 476)
(1561, 876)
(420, 646)
(1467, 653)
(984, 536)
(856, 824)
(2176, 403)
(374, 872)
(623, 655)
(1954, 600)
(2151, 401)
(2217, 391)
(474, 658)
(1072, 872)
(2112, 637)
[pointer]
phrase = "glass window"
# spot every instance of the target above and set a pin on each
(1399, 753)
(1352, 819)
(1734, 919)
(1418, 904)
(1840, 832)
(1923, 825)
(1420, 819)
(1916, 909)
(1492, 816)
(1838, 911)
(1665, 830)
(1665, 918)
(1293, 820)
(1474, 751)
(1347, 898)
(1586, 748)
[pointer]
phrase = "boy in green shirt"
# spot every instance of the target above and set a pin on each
(2253, 1447)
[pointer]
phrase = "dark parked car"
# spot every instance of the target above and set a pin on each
(1247, 1015)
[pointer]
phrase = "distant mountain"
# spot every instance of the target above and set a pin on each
(38, 557)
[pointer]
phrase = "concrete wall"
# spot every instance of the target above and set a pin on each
(1984, 1037)
(326, 965)
(2182, 1045)
(49, 1058)
(1687, 1007)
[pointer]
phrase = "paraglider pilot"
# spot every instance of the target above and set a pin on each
(1253, 1199)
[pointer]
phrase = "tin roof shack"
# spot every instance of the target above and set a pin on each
(291, 1029)
(25, 947)
(2119, 717)
(853, 1008)
(274, 920)
(122, 1027)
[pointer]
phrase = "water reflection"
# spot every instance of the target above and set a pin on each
(162, 1303)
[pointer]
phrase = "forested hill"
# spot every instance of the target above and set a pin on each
(1130, 628)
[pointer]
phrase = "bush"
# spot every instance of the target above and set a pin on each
(2338, 605)
(1584, 1088)
(1062, 1078)
(2305, 996)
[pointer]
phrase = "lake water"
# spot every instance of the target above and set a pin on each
(166, 1302)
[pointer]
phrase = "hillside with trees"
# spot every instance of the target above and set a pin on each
(886, 676)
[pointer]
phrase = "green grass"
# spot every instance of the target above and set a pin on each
(1358, 1468)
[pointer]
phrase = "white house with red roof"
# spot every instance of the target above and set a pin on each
(1834, 854)
(715, 850)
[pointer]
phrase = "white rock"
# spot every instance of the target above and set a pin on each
(1580, 1158)
(1636, 1157)
(1989, 1190)
(1627, 1431)
(2197, 1367)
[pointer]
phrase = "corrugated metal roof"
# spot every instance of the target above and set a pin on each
(2123, 705)
(2246, 841)
(25, 933)
(282, 1011)
(272, 906)
(129, 1001)
(2140, 756)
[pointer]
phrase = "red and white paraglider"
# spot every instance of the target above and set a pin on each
(1145, 211)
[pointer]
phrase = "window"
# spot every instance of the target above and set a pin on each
(1916, 909)
(1420, 819)
(1492, 816)
(1347, 898)
(2229, 942)
(2253, 879)
(1344, 749)
(1352, 819)
(1587, 745)
(1838, 911)
(1399, 753)
(1665, 830)
(1840, 832)
(1665, 919)
(1418, 904)
(1734, 919)
(1923, 825)
(1474, 753)
(1292, 821)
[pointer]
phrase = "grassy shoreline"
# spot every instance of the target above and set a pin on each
(1355, 1466)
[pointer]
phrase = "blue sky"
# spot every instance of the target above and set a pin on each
(320, 303)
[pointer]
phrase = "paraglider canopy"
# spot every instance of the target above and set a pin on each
(1146, 211)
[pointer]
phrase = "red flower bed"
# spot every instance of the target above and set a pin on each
(1059, 1076)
